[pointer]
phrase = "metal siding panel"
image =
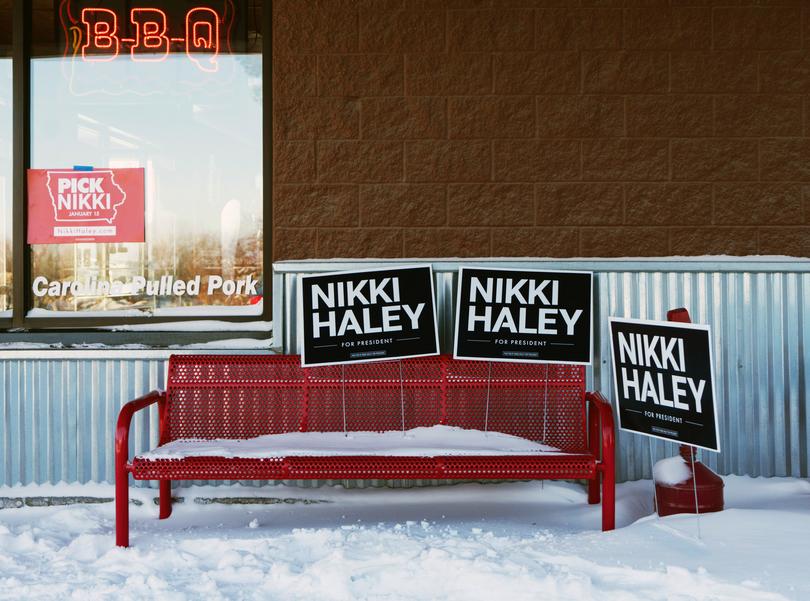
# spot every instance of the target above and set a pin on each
(5, 426)
(804, 375)
(791, 373)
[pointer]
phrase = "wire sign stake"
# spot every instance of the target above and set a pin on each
(652, 473)
(692, 452)
(343, 388)
(402, 397)
(486, 410)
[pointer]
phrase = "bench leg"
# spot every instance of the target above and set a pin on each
(608, 500)
(165, 499)
(121, 507)
(593, 490)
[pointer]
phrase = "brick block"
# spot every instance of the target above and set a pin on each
(629, 3)
(295, 75)
(359, 243)
(625, 159)
(447, 4)
(785, 159)
(448, 161)
(806, 195)
(536, 73)
(791, 241)
(758, 204)
(364, 161)
(714, 159)
(787, 72)
(404, 118)
(303, 28)
(579, 204)
(533, 3)
(494, 30)
(573, 29)
(536, 160)
(389, 30)
(380, 5)
(316, 205)
(623, 242)
(446, 242)
(714, 71)
(490, 204)
(306, 118)
(404, 205)
(360, 75)
(448, 74)
(669, 116)
(757, 28)
(491, 117)
(295, 243)
(623, 72)
(697, 241)
(564, 116)
(293, 161)
(668, 204)
(680, 28)
(535, 242)
(758, 115)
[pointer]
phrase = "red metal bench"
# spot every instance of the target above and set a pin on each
(238, 397)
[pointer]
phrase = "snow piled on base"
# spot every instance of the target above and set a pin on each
(516, 541)
(671, 471)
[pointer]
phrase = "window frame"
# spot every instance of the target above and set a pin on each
(21, 35)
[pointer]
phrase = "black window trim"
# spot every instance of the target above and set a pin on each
(21, 140)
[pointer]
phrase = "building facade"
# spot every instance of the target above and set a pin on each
(280, 131)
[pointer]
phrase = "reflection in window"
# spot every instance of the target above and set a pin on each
(6, 120)
(193, 122)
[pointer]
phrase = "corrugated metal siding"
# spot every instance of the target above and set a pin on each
(760, 317)
(57, 415)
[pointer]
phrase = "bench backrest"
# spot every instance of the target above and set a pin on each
(242, 396)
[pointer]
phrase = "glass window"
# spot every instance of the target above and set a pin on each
(175, 88)
(6, 120)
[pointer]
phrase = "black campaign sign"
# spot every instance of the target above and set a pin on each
(370, 315)
(664, 381)
(524, 315)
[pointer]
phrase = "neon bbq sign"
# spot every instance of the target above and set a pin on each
(148, 34)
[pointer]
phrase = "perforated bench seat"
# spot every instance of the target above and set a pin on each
(370, 467)
(555, 430)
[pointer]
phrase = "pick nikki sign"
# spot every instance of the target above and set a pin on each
(100, 205)
(524, 315)
(664, 378)
(367, 315)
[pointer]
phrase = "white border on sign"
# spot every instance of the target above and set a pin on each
(671, 324)
(458, 313)
(300, 313)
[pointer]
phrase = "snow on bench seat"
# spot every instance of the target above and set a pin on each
(433, 441)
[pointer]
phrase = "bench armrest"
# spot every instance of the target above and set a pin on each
(125, 419)
(601, 437)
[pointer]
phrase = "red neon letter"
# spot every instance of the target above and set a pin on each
(150, 34)
(101, 34)
(202, 35)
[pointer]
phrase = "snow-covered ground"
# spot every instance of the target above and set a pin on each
(499, 541)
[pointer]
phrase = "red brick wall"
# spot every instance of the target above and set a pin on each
(527, 127)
